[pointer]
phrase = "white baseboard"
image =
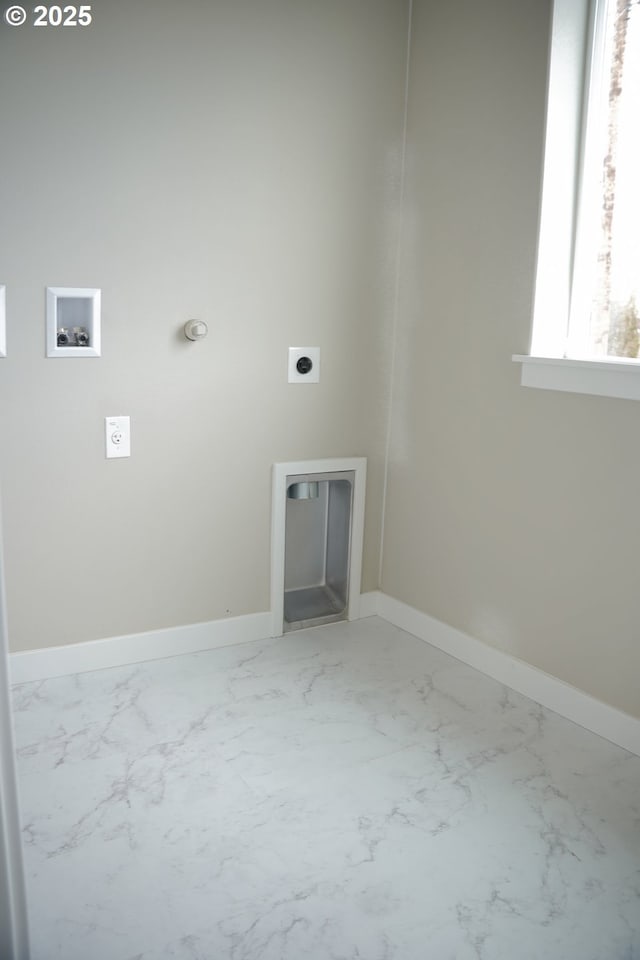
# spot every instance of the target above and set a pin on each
(48, 662)
(369, 604)
(614, 725)
(598, 717)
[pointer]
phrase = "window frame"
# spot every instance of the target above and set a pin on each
(573, 61)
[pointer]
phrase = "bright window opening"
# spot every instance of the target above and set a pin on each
(605, 317)
(585, 335)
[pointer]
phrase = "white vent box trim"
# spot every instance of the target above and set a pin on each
(318, 469)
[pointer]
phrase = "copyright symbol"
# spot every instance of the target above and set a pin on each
(15, 16)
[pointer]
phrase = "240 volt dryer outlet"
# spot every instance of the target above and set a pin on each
(304, 364)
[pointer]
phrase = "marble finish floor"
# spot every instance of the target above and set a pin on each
(343, 793)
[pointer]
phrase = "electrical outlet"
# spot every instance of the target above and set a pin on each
(304, 364)
(117, 436)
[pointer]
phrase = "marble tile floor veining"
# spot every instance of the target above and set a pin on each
(342, 793)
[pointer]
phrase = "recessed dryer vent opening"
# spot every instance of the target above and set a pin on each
(316, 553)
(317, 527)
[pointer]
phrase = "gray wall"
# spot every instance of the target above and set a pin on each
(237, 161)
(511, 513)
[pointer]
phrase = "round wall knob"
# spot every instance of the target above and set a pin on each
(195, 329)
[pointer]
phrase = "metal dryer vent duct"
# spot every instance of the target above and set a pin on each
(304, 490)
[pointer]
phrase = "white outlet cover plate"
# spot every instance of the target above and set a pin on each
(117, 436)
(295, 353)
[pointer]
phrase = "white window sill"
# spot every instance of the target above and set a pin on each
(610, 378)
